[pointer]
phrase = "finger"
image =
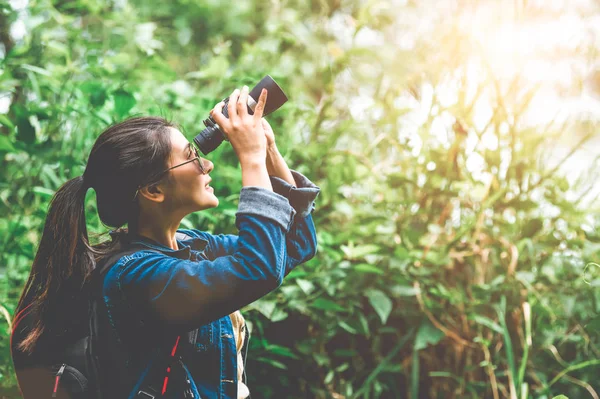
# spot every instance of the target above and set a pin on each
(220, 104)
(242, 104)
(231, 106)
(260, 106)
(218, 116)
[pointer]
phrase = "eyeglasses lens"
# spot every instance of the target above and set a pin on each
(200, 161)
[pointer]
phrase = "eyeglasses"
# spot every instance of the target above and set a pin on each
(197, 158)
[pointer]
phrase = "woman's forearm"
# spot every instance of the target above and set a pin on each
(277, 167)
(254, 173)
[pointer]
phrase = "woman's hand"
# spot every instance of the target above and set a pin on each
(245, 132)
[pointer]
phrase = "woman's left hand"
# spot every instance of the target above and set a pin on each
(268, 133)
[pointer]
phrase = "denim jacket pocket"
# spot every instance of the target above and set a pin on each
(204, 341)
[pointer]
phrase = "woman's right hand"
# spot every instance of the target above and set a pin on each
(245, 132)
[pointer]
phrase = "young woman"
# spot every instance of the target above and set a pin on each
(173, 300)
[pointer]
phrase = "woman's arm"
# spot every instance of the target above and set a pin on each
(181, 294)
(276, 165)
(301, 239)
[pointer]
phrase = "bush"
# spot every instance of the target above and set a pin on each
(452, 254)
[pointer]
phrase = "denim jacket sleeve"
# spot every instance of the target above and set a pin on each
(181, 294)
(301, 242)
(301, 196)
(301, 239)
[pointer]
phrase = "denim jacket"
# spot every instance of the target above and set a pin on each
(190, 292)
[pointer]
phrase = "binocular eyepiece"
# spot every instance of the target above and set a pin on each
(211, 137)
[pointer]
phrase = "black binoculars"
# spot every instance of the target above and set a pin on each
(212, 136)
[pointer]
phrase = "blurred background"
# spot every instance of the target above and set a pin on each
(455, 142)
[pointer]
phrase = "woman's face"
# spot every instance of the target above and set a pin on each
(188, 188)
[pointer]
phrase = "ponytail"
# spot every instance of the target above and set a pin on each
(124, 156)
(64, 258)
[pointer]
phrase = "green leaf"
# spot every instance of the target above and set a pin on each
(43, 191)
(326, 304)
(36, 69)
(438, 258)
(329, 377)
(404, 290)
(401, 253)
(272, 362)
(265, 307)
(281, 351)
(278, 315)
(367, 268)
(6, 122)
(345, 353)
(427, 335)
(95, 92)
(306, 286)
(485, 321)
(363, 324)
(381, 303)
(359, 251)
(321, 359)
(6, 145)
(347, 327)
(124, 102)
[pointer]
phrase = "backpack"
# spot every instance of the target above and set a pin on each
(80, 373)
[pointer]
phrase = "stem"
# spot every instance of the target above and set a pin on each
(573, 368)
(414, 380)
(384, 363)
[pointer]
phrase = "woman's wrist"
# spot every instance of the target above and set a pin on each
(252, 159)
(254, 173)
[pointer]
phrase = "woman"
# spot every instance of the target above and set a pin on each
(170, 300)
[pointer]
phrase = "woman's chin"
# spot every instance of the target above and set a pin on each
(213, 202)
(208, 203)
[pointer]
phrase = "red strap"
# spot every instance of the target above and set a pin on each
(56, 385)
(166, 381)
(175, 347)
(165, 385)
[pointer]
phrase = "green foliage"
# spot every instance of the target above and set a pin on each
(431, 279)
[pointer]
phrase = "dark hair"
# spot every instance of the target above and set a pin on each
(125, 156)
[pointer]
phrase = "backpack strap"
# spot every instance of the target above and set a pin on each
(105, 339)
(148, 384)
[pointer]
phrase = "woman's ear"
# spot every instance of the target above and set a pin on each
(153, 193)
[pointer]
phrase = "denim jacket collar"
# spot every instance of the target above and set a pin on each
(185, 245)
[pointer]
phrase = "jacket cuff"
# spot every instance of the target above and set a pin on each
(301, 197)
(258, 201)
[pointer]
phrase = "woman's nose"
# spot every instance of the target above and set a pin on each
(209, 166)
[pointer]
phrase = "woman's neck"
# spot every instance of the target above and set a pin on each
(161, 231)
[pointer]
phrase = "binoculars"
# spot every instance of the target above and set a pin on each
(211, 137)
